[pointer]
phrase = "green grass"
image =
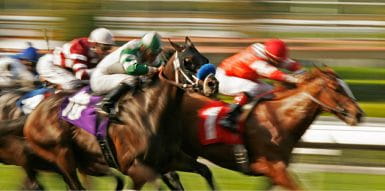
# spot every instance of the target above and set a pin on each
(361, 73)
(11, 178)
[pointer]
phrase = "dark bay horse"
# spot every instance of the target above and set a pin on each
(13, 148)
(150, 127)
(287, 116)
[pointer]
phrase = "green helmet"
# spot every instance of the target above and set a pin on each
(152, 41)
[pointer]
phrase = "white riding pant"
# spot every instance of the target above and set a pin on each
(102, 83)
(55, 74)
(232, 86)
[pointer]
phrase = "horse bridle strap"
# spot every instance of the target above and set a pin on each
(338, 110)
(178, 69)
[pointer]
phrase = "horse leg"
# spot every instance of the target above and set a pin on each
(172, 180)
(66, 164)
(276, 171)
(140, 174)
(184, 162)
(31, 182)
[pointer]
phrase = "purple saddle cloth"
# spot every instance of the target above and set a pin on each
(80, 110)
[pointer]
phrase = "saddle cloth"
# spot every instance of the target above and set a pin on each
(80, 110)
(210, 131)
(29, 101)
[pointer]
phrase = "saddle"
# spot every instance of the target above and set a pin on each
(80, 110)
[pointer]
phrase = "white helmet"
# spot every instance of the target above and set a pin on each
(102, 36)
(152, 40)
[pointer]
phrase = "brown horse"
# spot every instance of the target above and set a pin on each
(149, 127)
(13, 148)
(287, 116)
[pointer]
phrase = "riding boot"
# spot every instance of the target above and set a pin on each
(229, 121)
(107, 105)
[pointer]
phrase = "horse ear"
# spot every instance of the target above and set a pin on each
(329, 69)
(317, 68)
(188, 42)
(177, 47)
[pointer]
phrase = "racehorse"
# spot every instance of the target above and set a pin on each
(289, 114)
(13, 148)
(149, 127)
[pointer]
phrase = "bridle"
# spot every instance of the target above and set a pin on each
(178, 70)
(319, 102)
(190, 83)
(336, 109)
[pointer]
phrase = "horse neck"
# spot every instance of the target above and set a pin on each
(293, 114)
(149, 107)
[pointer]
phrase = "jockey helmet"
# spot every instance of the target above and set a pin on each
(152, 41)
(29, 54)
(276, 49)
(101, 36)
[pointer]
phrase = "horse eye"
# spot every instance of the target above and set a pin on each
(187, 60)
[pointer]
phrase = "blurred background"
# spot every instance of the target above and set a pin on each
(348, 35)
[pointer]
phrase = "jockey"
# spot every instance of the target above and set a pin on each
(240, 74)
(118, 72)
(18, 68)
(76, 60)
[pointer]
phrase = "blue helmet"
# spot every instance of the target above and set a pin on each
(29, 54)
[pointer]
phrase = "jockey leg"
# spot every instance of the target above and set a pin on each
(108, 103)
(230, 120)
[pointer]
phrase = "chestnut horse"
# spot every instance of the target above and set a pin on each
(149, 127)
(288, 115)
(291, 112)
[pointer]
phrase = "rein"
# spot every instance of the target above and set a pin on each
(338, 110)
(179, 85)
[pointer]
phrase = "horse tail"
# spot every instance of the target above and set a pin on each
(14, 126)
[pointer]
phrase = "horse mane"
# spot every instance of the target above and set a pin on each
(13, 126)
(167, 53)
(142, 101)
(283, 89)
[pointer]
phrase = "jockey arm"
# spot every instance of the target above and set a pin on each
(80, 62)
(291, 65)
(262, 68)
(131, 65)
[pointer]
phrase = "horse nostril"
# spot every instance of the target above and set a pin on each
(359, 116)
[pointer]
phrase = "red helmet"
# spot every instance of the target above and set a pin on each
(276, 49)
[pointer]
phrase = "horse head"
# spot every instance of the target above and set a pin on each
(186, 61)
(332, 94)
